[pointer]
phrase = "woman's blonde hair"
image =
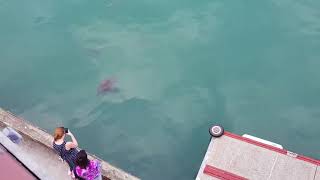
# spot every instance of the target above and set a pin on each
(58, 133)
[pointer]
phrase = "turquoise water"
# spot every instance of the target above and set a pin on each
(180, 66)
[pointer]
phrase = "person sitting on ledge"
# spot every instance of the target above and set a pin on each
(66, 150)
(87, 169)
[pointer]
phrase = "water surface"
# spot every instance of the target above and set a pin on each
(180, 66)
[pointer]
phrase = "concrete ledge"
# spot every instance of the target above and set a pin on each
(41, 156)
(235, 157)
(19, 154)
(42, 137)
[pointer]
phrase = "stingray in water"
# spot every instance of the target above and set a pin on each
(107, 86)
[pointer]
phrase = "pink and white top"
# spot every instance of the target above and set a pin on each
(91, 172)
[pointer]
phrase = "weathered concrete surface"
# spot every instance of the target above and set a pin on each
(36, 137)
(255, 162)
(317, 177)
(11, 168)
(37, 158)
(288, 168)
(41, 160)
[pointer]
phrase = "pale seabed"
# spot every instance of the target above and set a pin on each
(180, 67)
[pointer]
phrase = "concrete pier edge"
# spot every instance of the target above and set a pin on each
(42, 137)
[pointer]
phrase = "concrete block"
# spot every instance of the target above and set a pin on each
(252, 162)
(289, 168)
(317, 177)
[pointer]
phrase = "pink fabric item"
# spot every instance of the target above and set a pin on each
(92, 171)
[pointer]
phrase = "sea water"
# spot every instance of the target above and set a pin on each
(180, 67)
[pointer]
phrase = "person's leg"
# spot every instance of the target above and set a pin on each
(70, 171)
